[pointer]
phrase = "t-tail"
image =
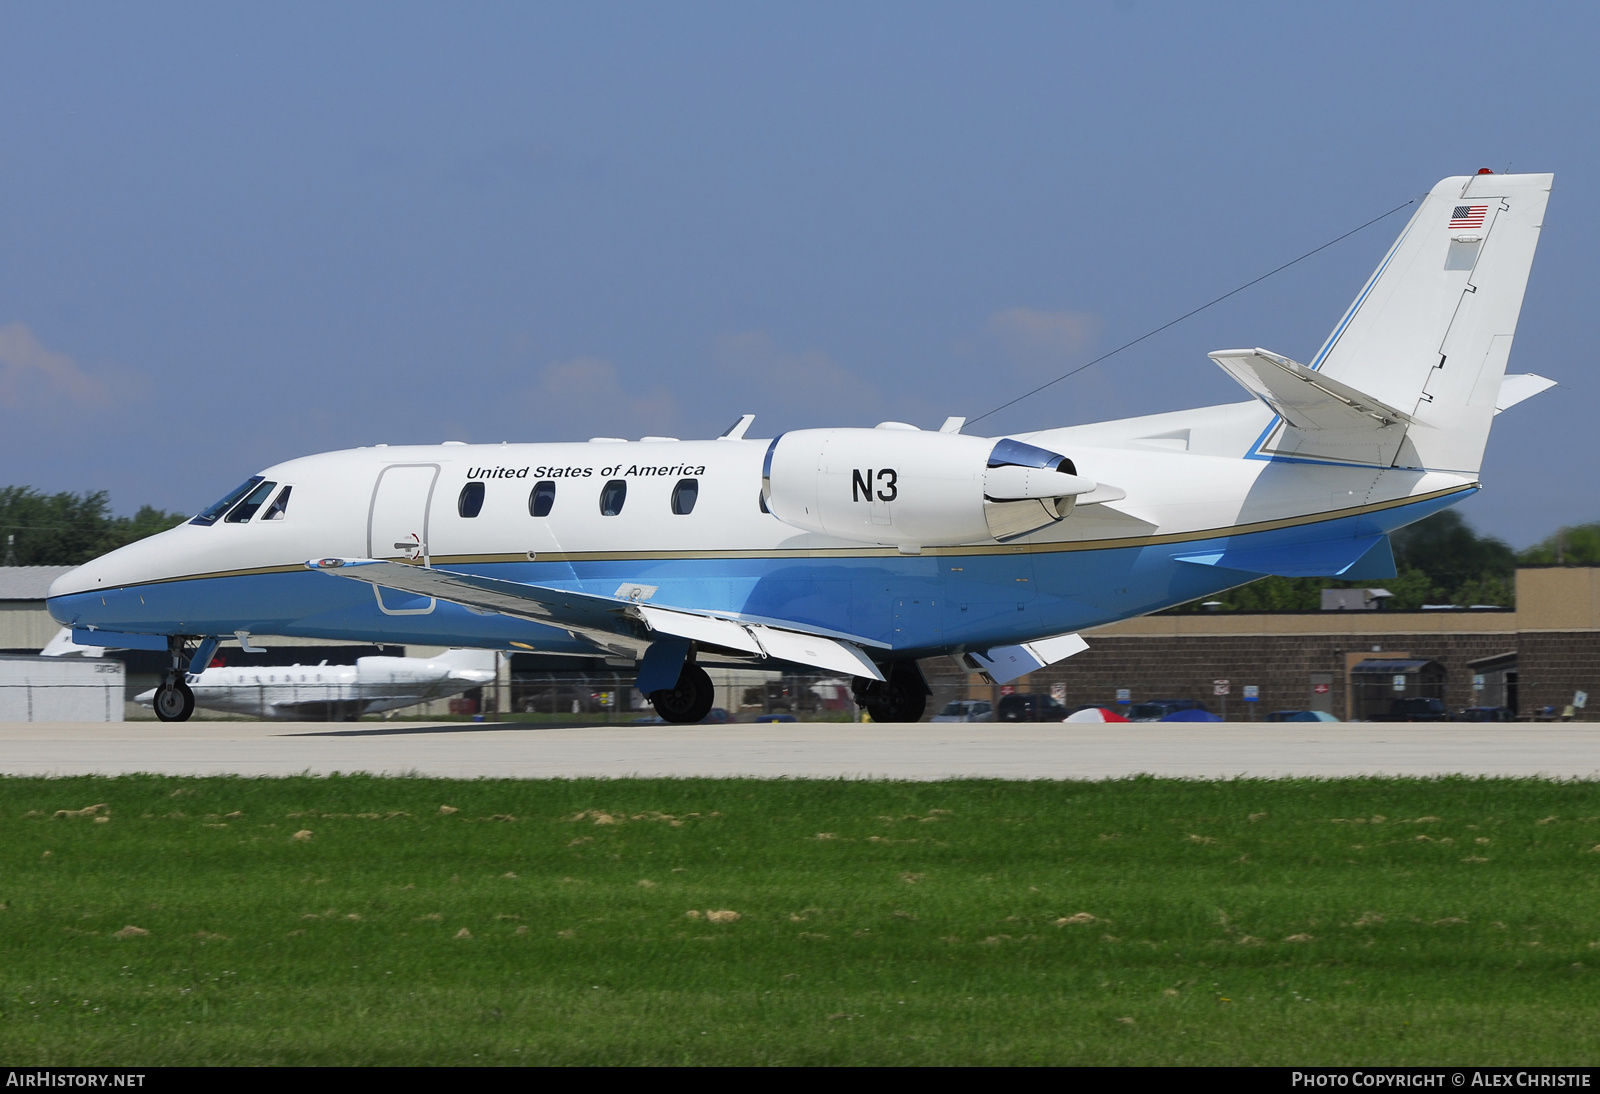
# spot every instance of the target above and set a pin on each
(1415, 370)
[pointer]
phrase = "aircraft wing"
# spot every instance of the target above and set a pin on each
(1303, 397)
(618, 625)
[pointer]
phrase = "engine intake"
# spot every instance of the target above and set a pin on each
(910, 488)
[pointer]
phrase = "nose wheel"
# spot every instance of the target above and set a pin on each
(174, 701)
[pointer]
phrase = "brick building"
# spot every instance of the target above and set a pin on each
(1539, 655)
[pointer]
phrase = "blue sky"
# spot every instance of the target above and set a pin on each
(232, 234)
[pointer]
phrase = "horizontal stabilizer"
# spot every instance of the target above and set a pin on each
(1003, 664)
(1364, 559)
(1302, 397)
(1520, 386)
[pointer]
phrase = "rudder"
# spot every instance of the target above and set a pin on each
(1431, 331)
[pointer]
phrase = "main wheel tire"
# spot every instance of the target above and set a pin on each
(174, 702)
(900, 698)
(689, 701)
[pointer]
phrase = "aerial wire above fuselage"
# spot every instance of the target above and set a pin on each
(1196, 311)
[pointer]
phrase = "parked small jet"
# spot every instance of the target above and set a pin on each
(859, 551)
(336, 692)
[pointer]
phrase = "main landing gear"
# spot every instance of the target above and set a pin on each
(174, 700)
(901, 697)
(689, 700)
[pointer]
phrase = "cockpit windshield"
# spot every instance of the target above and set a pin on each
(210, 515)
(254, 500)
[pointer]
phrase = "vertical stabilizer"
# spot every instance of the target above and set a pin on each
(1431, 331)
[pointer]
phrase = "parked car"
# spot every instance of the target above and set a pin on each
(1415, 710)
(1301, 716)
(1029, 708)
(1153, 710)
(966, 710)
(1486, 714)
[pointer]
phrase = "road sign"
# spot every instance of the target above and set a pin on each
(1399, 681)
(1477, 682)
(1580, 699)
(1221, 688)
(1321, 689)
(1058, 692)
(1124, 695)
(1252, 693)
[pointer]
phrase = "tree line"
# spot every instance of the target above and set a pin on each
(67, 529)
(1440, 560)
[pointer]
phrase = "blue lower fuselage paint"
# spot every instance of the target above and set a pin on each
(915, 605)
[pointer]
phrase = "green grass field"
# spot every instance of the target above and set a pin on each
(359, 920)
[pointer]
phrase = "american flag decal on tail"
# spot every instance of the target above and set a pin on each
(1468, 216)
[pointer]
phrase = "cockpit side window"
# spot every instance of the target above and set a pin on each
(279, 506)
(253, 501)
(210, 515)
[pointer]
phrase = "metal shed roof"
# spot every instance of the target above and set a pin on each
(28, 582)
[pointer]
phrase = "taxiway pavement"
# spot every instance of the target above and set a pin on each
(802, 750)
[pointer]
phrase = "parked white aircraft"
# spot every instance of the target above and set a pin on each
(861, 550)
(336, 692)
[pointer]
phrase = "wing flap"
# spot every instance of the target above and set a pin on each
(1003, 664)
(813, 649)
(700, 628)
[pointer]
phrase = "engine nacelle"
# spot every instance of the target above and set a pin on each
(898, 485)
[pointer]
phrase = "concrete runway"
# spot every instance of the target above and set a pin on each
(826, 750)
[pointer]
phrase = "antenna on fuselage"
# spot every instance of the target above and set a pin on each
(735, 432)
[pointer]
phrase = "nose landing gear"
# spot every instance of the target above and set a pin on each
(174, 700)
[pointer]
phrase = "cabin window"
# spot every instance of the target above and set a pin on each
(209, 516)
(543, 498)
(279, 506)
(612, 495)
(254, 500)
(684, 495)
(470, 503)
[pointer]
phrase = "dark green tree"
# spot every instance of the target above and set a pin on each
(1575, 545)
(67, 529)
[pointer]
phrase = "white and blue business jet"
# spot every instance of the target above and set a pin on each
(859, 551)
